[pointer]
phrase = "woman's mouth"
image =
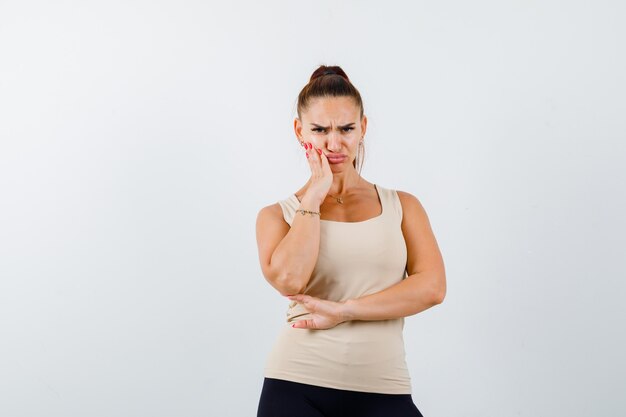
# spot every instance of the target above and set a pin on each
(336, 159)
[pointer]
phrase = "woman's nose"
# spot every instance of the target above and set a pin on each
(334, 143)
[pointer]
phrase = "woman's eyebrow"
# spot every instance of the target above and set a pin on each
(326, 127)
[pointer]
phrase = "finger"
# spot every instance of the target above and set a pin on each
(317, 162)
(317, 154)
(315, 151)
(308, 151)
(324, 161)
(314, 164)
(303, 298)
(324, 164)
(304, 324)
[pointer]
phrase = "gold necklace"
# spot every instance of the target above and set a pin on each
(339, 199)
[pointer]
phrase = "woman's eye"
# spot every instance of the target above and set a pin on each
(319, 129)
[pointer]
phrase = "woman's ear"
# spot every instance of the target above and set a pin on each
(363, 125)
(297, 127)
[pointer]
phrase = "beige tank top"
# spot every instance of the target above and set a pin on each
(355, 259)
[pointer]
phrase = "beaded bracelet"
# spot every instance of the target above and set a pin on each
(307, 211)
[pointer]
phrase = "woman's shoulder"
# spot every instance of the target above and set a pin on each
(271, 210)
(281, 211)
(271, 216)
(406, 197)
(410, 204)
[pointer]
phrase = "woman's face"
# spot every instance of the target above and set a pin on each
(333, 125)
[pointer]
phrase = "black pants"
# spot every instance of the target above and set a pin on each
(281, 398)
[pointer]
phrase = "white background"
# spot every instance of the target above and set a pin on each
(138, 140)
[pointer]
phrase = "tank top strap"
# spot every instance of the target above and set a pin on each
(390, 202)
(289, 206)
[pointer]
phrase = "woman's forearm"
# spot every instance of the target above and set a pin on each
(415, 293)
(295, 256)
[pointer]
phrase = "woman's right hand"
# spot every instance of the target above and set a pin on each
(321, 175)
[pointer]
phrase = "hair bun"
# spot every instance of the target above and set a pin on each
(328, 70)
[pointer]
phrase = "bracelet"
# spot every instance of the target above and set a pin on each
(307, 211)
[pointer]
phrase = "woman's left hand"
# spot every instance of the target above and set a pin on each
(325, 314)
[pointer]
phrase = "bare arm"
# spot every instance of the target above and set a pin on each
(423, 288)
(410, 296)
(426, 284)
(288, 255)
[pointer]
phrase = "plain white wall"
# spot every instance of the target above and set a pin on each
(140, 139)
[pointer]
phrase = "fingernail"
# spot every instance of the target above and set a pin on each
(307, 154)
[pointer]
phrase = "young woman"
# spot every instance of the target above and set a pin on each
(354, 258)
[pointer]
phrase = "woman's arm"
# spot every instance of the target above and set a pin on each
(423, 288)
(414, 294)
(288, 254)
(390, 303)
(426, 284)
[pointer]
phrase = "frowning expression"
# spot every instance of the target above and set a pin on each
(334, 125)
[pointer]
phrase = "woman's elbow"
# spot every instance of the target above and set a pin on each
(440, 292)
(288, 284)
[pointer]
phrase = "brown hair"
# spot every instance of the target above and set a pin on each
(329, 81)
